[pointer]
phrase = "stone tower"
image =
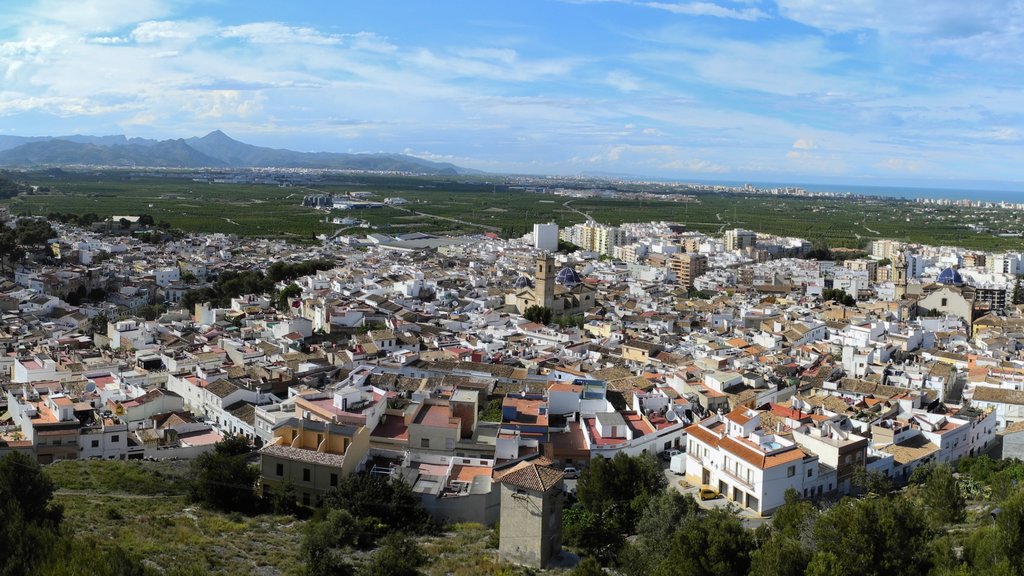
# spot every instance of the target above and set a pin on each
(544, 282)
(900, 274)
(531, 515)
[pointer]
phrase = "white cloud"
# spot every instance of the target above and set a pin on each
(157, 31)
(805, 144)
(979, 28)
(694, 165)
(622, 80)
(97, 15)
(216, 104)
(277, 33)
(108, 40)
(706, 9)
(490, 65)
(901, 165)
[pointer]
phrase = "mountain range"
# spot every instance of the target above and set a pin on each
(215, 150)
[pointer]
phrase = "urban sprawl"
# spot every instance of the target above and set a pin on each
(487, 372)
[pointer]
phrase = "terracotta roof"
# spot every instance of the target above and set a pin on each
(999, 395)
(534, 477)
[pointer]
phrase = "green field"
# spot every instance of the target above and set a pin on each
(482, 205)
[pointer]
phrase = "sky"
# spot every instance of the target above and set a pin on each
(904, 92)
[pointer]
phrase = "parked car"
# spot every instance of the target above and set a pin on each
(667, 455)
(709, 493)
(571, 473)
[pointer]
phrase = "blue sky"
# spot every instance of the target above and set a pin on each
(859, 91)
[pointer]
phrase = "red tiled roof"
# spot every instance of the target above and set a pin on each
(534, 477)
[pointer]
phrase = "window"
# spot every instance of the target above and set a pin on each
(305, 498)
(424, 442)
(115, 438)
(95, 443)
(791, 471)
(280, 470)
(810, 471)
(334, 480)
(943, 302)
(305, 474)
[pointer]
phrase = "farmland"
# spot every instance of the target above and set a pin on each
(476, 204)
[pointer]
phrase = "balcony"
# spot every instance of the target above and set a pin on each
(738, 479)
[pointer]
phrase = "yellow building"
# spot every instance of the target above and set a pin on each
(312, 456)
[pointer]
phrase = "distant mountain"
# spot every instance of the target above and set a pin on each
(8, 142)
(216, 149)
(166, 154)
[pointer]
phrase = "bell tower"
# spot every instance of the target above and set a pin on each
(544, 281)
(900, 274)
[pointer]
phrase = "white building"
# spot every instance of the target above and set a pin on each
(545, 237)
(734, 455)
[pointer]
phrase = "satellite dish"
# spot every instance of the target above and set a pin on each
(90, 387)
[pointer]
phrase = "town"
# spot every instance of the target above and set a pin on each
(489, 374)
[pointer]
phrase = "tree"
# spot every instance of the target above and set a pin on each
(711, 544)
(940, 494)
(146, 220)
(124, 223)
(222, 479)
(398, 556)
(287, 293)
(588, 567)
(98, 324)
(612, 494)
(326, 541)
(873, 482)
(780, 555)
(838, 295)
(23, 482)
(658, 522)
(391, 503)
(874, 537)
(29, 523)
(794, 518)
(538, 314)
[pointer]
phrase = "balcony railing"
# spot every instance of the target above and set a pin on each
(738, 479)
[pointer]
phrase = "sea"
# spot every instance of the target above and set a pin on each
(963, 193)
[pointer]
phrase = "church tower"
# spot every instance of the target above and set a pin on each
(900, 274)
(544, 282)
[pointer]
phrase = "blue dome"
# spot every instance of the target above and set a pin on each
(568, 277)
(523, 282)
(950, 276)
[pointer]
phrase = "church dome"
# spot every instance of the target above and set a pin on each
(950, 276)
(568, 277)
(523, 282)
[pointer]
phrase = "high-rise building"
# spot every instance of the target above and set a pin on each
(545, 237)
(688, 267)
(606, 238)
(883, 249)
(595, 237)
(738, 239)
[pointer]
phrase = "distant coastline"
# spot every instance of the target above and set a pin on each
(905, 192)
